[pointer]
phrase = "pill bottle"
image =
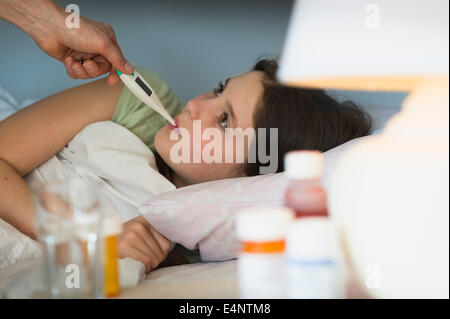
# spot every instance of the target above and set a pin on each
(305, 194)
(112, 227)
(314, 268)
(261, 265)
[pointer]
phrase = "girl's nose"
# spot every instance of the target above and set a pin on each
(200, 106)
(194, 107)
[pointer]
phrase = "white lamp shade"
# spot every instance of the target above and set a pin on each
(354, 44)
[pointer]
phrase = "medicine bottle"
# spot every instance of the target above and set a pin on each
(304, 193)
(314, 267)
(313, 264)
(261, 265)
(112, 227)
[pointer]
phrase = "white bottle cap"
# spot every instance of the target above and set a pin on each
(262, 224)
(312, 239)
(112, 225)
(303, 164)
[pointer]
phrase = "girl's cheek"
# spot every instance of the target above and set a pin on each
(229, 150)
(216, 144)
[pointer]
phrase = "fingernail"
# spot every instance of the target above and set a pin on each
(128, 67)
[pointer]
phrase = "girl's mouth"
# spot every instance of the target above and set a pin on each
(174, 127)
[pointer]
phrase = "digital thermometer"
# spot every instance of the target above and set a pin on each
(140, 87)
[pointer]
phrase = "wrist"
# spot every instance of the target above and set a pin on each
(36, 18)
(47, 21)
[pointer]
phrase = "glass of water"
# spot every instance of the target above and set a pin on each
(68, 217)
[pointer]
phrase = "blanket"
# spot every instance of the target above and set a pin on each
(109, 154)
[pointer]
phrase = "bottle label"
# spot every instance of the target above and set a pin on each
(261, 275)
(312, 281)
(263, 247)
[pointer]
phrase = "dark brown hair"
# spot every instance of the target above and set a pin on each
(307, 119)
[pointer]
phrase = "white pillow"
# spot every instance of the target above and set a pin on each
(202, 216)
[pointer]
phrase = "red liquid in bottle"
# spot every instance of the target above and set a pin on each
(307, 198)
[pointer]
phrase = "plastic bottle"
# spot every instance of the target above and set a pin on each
(314, 266)
(305, 194)
(261, 265)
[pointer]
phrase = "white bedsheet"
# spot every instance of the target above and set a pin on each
(104, 152)
(110, 154)
(22, 278)
(202, 280)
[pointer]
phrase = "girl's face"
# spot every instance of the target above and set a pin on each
(232, 107)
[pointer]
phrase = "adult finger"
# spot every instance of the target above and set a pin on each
(91, 68)
(79, 71)
(101, 60)
(112, 52)
(94, 68)
(113, 78)
(68, 65)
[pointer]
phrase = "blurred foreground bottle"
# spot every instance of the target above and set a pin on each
(112, 227)
(313, 259)
(78, 228)
(262, 232)
(305, 194)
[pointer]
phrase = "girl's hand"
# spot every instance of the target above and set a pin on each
(142, 242)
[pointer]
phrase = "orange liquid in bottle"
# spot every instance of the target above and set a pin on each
(111, 281)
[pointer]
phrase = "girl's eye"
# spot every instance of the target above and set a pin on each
(218, 91)
(223, 120)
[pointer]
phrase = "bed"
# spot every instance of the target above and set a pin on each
(199, 281)
(215, 279)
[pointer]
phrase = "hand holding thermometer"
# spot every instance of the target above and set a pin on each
(139, 86)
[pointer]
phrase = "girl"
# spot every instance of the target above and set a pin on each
(305, 118)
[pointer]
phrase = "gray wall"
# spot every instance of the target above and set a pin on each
(191, 44)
